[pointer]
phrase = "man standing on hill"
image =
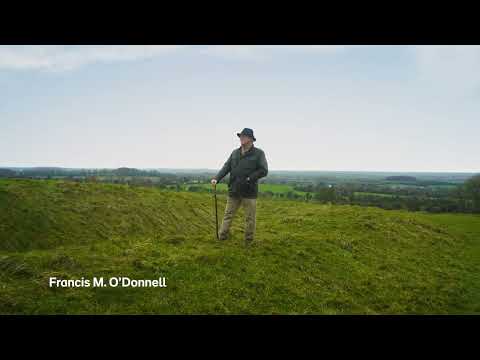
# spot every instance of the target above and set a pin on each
(246, 165)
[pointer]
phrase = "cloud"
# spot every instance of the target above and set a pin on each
(307, 48)
(237, 52)
(69, 57)
(262, 52)
(449, 69)
(58, 58)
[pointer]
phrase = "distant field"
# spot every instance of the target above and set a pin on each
(279, 188)
(446, 186)
(361, 193)
(274, 188)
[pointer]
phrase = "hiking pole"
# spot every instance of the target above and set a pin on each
(216, 216)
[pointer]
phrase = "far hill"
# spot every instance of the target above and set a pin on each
(7, 173)
(124, 171)
(312, 259)
(401, 178)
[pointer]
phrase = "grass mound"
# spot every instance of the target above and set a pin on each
(46, 214)
(320, 259)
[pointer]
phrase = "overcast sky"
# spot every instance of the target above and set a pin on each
(372, 108)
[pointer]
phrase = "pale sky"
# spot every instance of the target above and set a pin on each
(358, 108)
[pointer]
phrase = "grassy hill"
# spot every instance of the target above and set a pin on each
(320, 259)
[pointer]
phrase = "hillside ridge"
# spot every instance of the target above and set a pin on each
(311, 258)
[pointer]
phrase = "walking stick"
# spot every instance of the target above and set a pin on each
(216, 216)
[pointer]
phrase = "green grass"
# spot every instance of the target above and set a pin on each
(312, 258)
(220, 186)
(466, 228)
(279, 188)
(274, 188)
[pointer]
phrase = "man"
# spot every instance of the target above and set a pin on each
(246, 165)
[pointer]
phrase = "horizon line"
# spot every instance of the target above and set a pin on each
(270, 170)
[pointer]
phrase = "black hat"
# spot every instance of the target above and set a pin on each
(247, 132)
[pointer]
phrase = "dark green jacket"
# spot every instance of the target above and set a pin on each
(245, 170)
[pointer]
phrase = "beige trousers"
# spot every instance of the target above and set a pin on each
(233, 204)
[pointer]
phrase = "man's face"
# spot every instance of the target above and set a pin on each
(245, 140)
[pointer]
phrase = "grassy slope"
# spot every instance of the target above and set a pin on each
(466, 228)
(313, 258)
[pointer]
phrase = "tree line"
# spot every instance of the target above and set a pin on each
(462, 198)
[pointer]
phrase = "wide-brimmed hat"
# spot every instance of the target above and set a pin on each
(247, 132)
